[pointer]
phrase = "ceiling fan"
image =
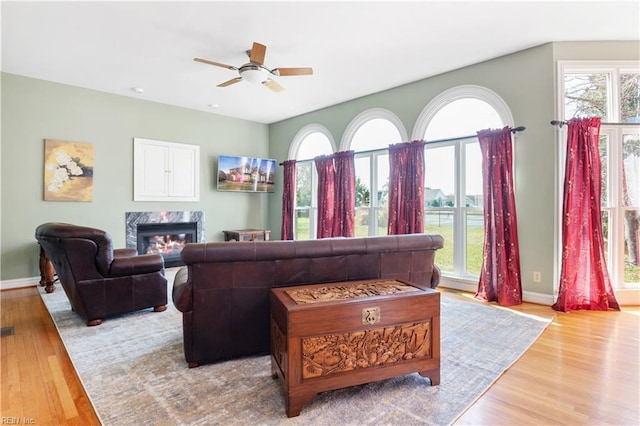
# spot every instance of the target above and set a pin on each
(254, 71)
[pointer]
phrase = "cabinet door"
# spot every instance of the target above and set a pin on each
(183, 182)
(150, 172)
(165, 171)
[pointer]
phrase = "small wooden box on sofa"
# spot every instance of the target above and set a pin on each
(330, 336)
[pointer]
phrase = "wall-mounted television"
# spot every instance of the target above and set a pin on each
(246, 174)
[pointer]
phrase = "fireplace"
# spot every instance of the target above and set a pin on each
(167, 239)
(164, 233)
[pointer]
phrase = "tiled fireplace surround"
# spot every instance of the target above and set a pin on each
(133, 219)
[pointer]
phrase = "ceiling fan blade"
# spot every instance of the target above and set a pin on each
(230, 82)
(217, 64)
(273, 85)
(293, 71)
(257, 53)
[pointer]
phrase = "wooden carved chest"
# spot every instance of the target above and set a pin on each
(330, 336)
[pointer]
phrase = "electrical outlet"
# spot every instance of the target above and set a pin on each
(537, 277)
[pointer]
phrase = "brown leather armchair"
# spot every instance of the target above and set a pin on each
(99, 281)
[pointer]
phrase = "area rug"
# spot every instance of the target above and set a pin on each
(134, 371)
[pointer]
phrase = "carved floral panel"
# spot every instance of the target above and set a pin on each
(337, 353)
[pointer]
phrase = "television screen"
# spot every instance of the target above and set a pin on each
(246, 174)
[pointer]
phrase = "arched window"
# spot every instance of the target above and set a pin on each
(311, 141)
(369, 134)
(453, 172)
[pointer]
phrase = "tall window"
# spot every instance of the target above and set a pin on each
(311, 141)
(612, 91)
(453, 172)
(369, 135)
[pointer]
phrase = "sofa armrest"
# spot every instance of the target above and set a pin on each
(435, 277)
(135, 265)
(182, 290)
(124, 252)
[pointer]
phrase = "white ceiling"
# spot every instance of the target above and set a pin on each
(355, 48)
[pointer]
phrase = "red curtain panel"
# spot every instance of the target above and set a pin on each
(584, 278)
(406, 188)
(345, 193)
(288, 199)
(326, 193)
(500, 279)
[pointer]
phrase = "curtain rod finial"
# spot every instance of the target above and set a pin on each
(558, 123)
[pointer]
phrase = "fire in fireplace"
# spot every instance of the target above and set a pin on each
(167, 239)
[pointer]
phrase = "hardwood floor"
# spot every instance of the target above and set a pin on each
(39, 383)
(584, 369)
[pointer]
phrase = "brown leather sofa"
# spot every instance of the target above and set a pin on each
(99, 281)
(223, 291)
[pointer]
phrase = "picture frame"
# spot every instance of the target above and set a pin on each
(68, 171)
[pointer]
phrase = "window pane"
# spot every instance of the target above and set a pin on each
(375, 133)
(447, 122)
(603, 147)
(606, 229)
(362, 222)
(313, 145)
(630, 97)
(382, 180)
(475, 241)
(303, 184)
(383, 221)
(586, 95)
(363, 181)
(631, 248)
(473, 175)
(382, 194)
(302, 224)
(441, 222)
(631, 170)
(439, 176)
(363, 194)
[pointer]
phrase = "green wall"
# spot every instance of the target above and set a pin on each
(34, 110)
(526, 81)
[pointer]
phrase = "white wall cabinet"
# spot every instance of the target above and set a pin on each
(165, 171)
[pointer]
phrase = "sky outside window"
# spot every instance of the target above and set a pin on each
(463, 117)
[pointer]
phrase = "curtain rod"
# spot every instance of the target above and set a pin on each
(459, 138)
(561, 123)
(513, 130)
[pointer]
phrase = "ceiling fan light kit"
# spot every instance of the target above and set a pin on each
(255, 72)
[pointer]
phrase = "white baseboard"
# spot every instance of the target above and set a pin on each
(629, 297)
(527, 296)
(539, 298)
(624, 297)
(19, 283)
(458, 285)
